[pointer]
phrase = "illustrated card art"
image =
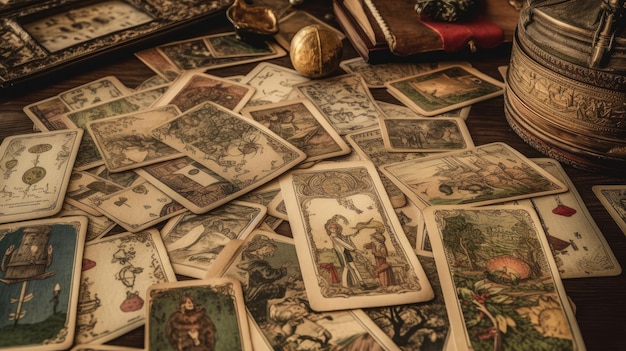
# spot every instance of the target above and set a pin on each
(273, 83)
(445, 89)
(36, 171)
(40, 282)
(280, 313)
(486, 174)
(425, 134)
(613, 198)
(117, 271)
(126, 142)
(342, 219)
(194, 241)
(239, 149)
(500, 283)
(205, 314)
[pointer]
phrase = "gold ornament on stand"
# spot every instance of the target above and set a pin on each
(315, 51)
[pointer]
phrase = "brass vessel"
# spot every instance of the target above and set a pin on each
(566, 82)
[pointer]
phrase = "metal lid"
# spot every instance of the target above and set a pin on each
(589, 33)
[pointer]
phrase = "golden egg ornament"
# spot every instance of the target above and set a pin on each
(315, 51)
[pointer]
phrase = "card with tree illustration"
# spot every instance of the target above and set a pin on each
(342, 219)
(500, 283)
(40, 282)
(279, 311)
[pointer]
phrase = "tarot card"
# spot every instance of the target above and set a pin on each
(194, 54)
(240, 150)
(369, 145)
(117, 271)
(500, 283)
(344, 100)
(158, 63)
(578, 246)
(103, 347)
(126, 142)
(125, 179)
(189, 183)
(301, 124)
(290, 24)
(267, 266)
(277, 208)
(229, 45)
(197, 314)
(265, 195)
(85, 188)
(376, 75)
(273, 83)
(425, 134)
(139, 207)
(89, 156)
(93, 93)
(192, 89)
(45, 114)
(444, 89)
(429, 325)
(40, 282)
(412, 222)
(36, 170)
(486, 174)
(613, 198)
(401, 111)
(152, 82)
(97, 226)
(341, 217)
(194, 241)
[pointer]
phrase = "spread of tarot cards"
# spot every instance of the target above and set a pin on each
(401, 228)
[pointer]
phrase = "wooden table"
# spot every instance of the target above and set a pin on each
(600, 302)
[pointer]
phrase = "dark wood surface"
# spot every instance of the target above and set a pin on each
(600, 302)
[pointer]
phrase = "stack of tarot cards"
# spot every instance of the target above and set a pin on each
(404, 234)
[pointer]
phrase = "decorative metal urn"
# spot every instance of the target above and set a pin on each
(566, 82)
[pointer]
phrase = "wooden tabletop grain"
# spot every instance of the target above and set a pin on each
(600, 303)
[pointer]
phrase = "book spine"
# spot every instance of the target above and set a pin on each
(384, 27)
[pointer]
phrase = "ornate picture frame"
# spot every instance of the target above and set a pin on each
(41, 37)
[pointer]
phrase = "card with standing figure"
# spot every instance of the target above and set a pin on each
(344, 100)
(578, 246)
(126, 142)
(239, 149)
(500, 283)
(36, 171)
(341, 216)
(193, 241)
(300, 123)
(279, 311)
(40, 282)
(192, 89)
(204, 314)
(445, 89)
(117, 271)
(486, 174)
(613, 198)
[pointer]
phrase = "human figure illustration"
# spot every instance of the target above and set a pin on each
(190, 328)
(344, 249)
(262, 277)
(383, 270)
